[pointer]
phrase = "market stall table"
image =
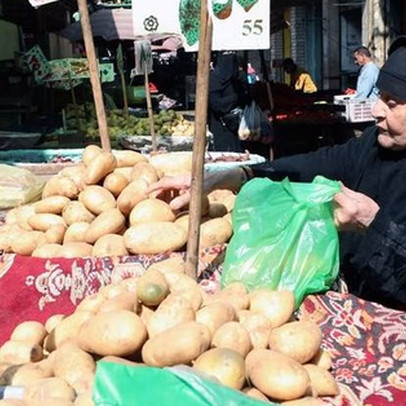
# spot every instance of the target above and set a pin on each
(303, 122)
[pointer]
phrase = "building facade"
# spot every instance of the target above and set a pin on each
(322, 35)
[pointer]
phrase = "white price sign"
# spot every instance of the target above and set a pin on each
(39, 3)
(237, 24)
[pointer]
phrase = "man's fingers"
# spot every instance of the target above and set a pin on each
(337, 221)
(180, 201)
(342, 199)
(341, 219)
(344, 207)
(349, 192)
(163, 183)
(353, 210)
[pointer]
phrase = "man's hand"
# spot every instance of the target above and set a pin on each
(353, 211)
(177, 186)
(176, 189)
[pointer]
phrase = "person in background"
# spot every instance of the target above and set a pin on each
(368, 75)
(370, 210)
(228, 96)
(300, 78)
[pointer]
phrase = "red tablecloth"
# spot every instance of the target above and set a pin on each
(37, 288)
(366, 341)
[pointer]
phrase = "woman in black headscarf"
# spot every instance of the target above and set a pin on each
(227, 96)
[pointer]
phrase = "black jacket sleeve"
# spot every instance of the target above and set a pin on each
(339, 162)
(384, 272)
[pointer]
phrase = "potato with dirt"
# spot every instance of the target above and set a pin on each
(224, 364)
(277, 306)
(276, 375)
(174, 310)
(119, 332)
(155, 237)
(299, 340)
(187, 342)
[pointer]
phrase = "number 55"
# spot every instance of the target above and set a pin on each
(252, 27)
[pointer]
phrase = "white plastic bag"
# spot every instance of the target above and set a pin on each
(250, 125)
(18, 186)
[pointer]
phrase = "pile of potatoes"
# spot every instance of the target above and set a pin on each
(101, 208)
(250, 342)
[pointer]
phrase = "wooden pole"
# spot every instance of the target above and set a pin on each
(94, 75)
(150, 111)
(120, 67)
(125, 99)
(199, 144)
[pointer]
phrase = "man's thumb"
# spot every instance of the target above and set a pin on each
(180, 201)
(347, 191)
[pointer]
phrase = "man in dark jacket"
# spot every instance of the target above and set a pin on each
(370, 211)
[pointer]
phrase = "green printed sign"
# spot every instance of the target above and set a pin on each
(37, 63)
(70, 72)
(107, 72)
(68, 69)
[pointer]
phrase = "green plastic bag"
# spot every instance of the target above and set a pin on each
(125, 385)
(284, 237)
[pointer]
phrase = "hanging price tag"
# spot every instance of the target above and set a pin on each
(143, 57)
(237, 24)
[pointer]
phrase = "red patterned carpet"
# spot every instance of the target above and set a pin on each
(36, 288)
(366, 341)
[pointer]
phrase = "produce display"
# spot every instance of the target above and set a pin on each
(250, 342)
(166, 122)
(292, 106)
(100, 208)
